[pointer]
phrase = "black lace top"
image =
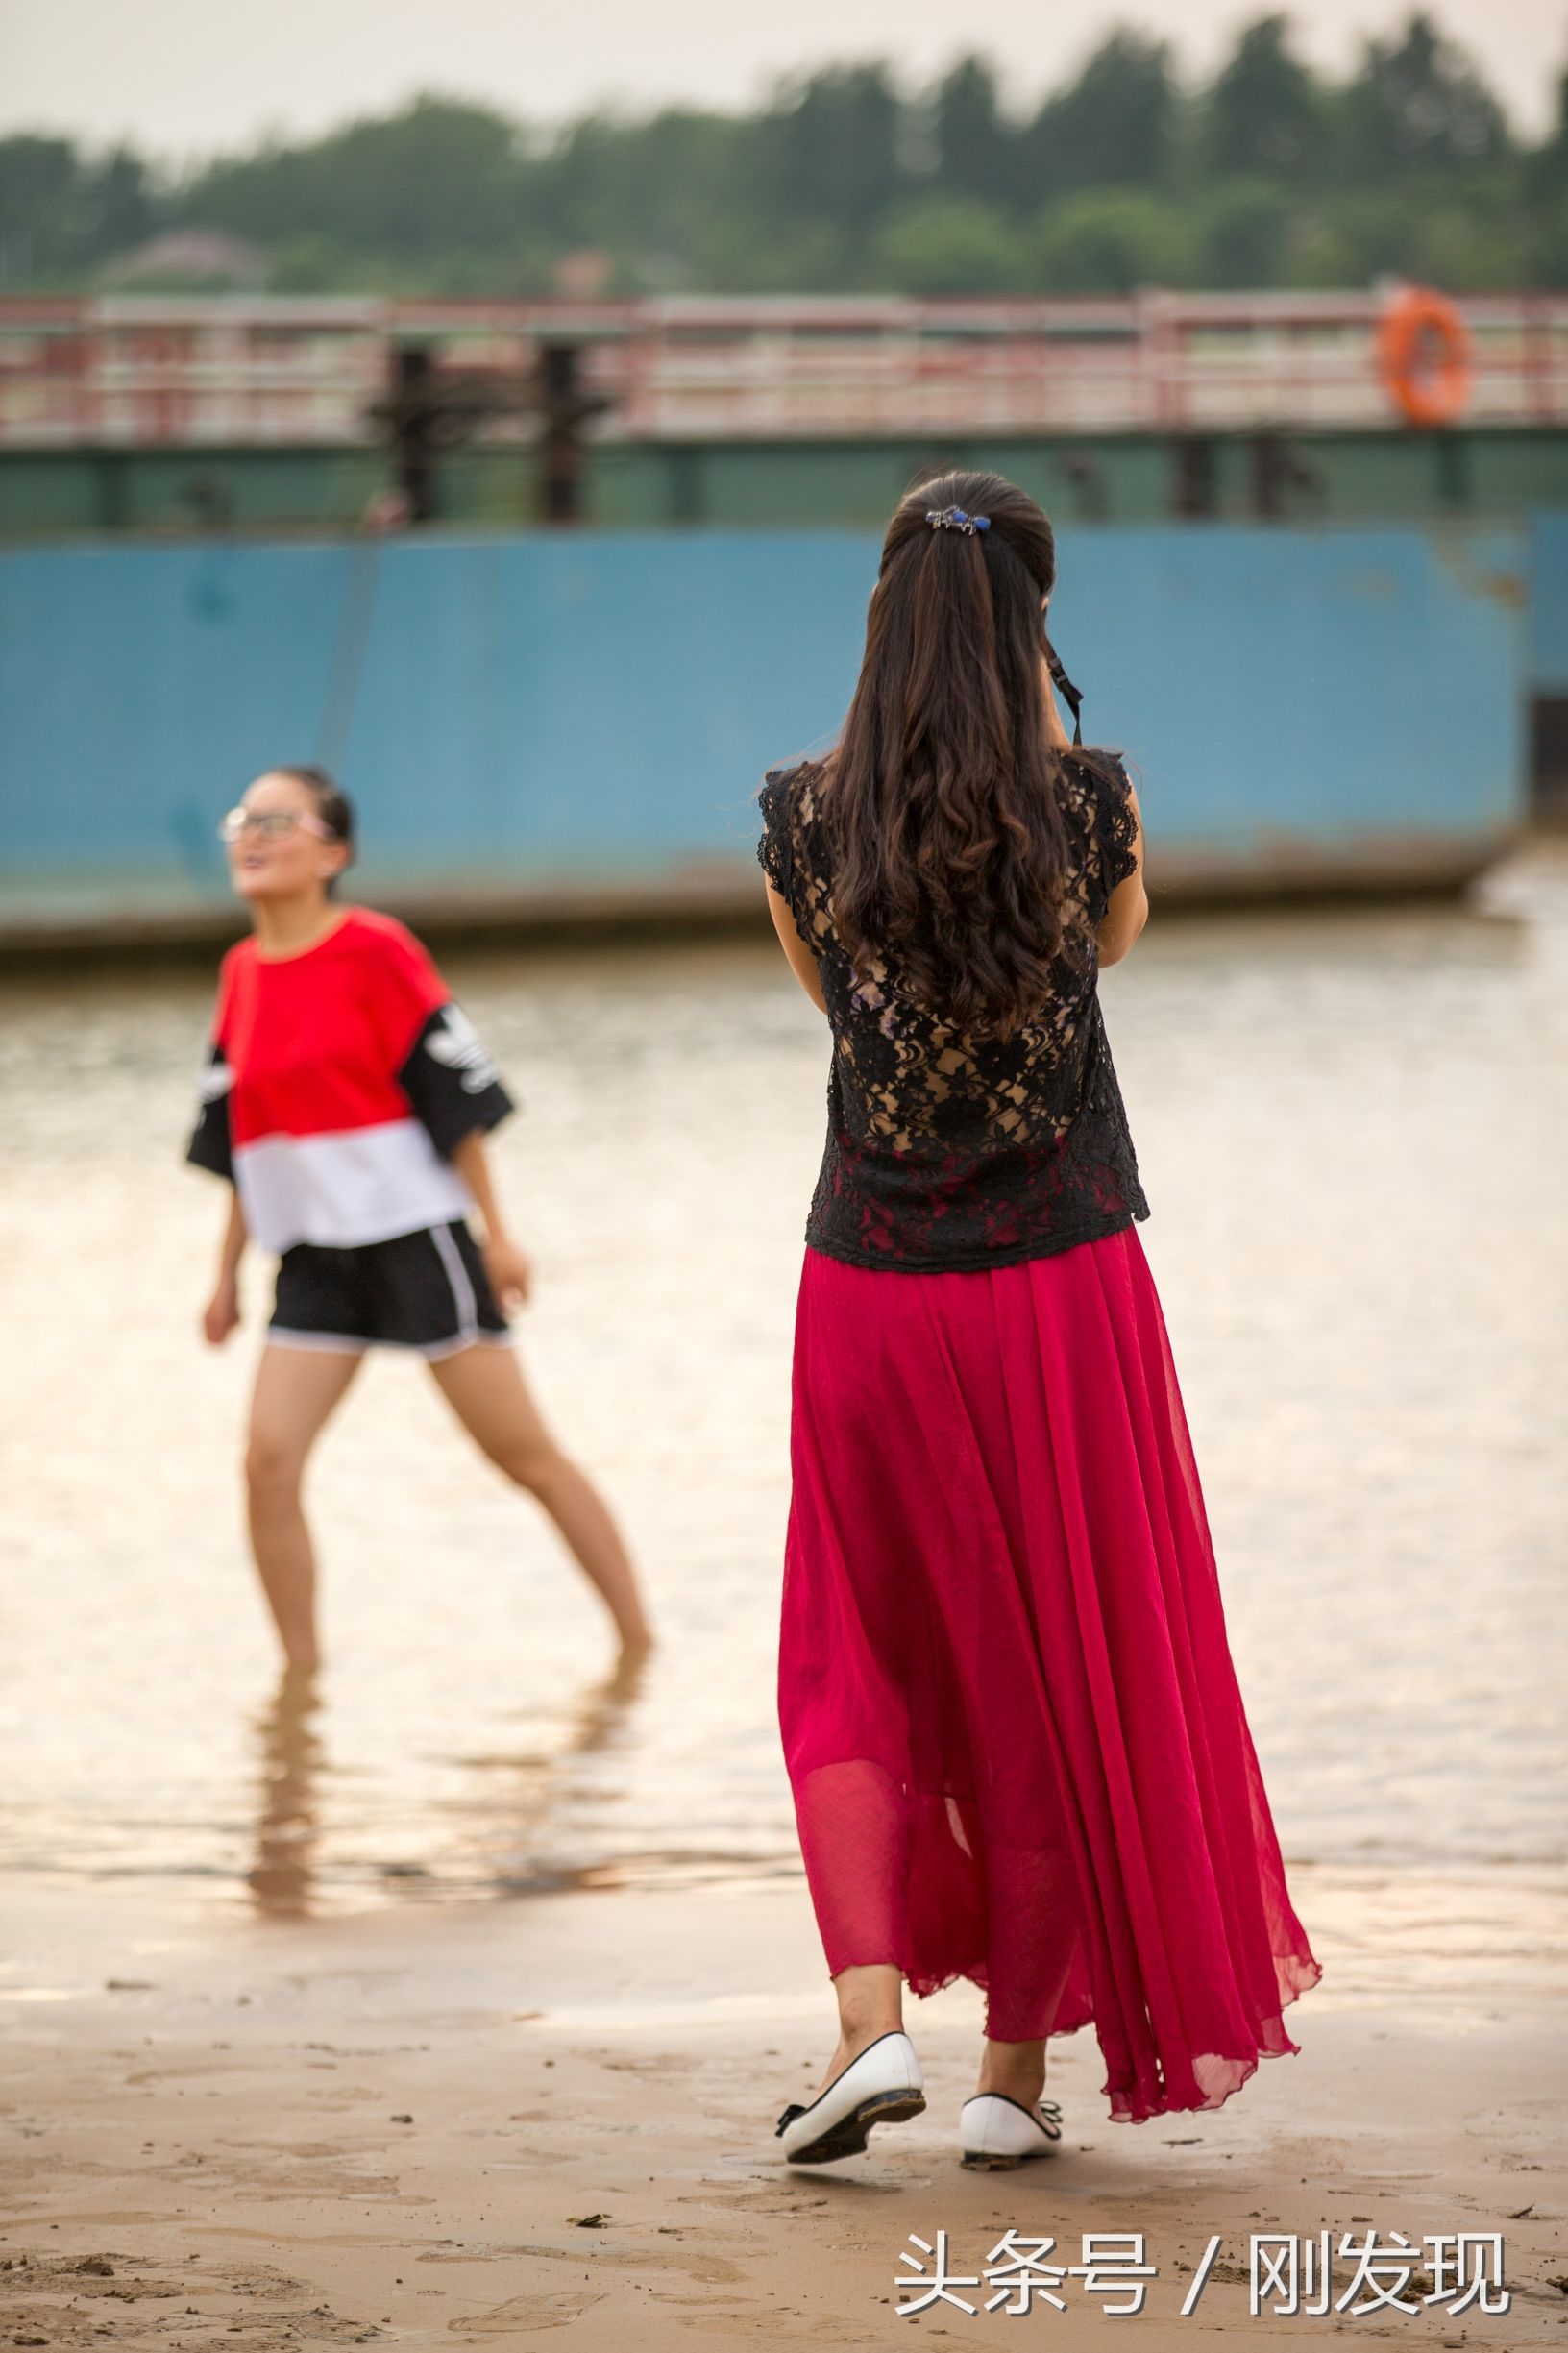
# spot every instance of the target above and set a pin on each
(948, 1151)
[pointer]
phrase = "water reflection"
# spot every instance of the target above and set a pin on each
(516, 1792)
(292, 1760)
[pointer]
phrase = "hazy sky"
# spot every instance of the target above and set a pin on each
(183, 78)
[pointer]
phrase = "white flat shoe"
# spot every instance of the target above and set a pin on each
(996, 2133)
(883, 2086)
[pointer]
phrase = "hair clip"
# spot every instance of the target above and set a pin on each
(954, 519)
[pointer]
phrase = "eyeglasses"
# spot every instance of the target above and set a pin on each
(272, 825)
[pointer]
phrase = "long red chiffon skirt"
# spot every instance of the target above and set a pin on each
(1014, 1735)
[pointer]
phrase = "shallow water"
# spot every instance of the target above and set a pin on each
(1351, 1126)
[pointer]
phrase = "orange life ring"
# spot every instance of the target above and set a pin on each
(1424, 356)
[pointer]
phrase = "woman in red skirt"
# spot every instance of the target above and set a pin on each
(1013, 1731)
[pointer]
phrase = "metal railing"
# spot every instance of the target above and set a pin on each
(160, 372)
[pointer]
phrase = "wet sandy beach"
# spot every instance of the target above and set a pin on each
(553, 2118)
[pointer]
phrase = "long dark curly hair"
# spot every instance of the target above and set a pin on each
(941, 796)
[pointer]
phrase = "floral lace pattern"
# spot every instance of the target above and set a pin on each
(947, 1150)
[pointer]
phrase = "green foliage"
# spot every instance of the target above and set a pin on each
(1263, 116)
(1115, 126)
(1242, 231)
(434, 180)
(951, 245)
(60, 214)
(1547, 245)
(1417, 104)
(1423, 231)
(1110, 241)
(842, 180)
(973, 148)
(829, 149)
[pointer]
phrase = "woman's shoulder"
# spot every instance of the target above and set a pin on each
(791, 848)
(791, 794)
(367, 927)
(238, 957)
(237, 973)
(1096, 774)
(375, 937)
(1096, 788)
(378, 955)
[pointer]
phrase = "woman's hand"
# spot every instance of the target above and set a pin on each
(510, 1271)
(221, 1313)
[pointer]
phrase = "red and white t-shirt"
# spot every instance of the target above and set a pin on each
(338, 1083)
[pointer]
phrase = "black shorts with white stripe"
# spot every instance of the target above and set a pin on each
(428, 1292)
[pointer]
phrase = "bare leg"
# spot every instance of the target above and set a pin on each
(871, 2002)
(1015, 2068)
(296, 1389)
(486, 1388)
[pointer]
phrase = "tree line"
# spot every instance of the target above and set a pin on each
(1268, 175)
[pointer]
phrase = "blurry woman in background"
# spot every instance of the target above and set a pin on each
(1013, 1731)
(347, 1098)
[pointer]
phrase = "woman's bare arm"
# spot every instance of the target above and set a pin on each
(1128, 909)
(803, 963)
(509, 1268)
(472, 1162)
(220, 1313)
(236, 1235)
